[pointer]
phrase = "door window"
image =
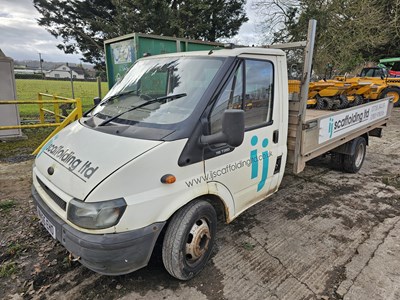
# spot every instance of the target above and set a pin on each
(231, 97)
(250, 88)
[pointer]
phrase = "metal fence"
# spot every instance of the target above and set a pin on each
(60, 116)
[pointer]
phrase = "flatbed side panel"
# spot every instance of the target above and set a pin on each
(328, 131)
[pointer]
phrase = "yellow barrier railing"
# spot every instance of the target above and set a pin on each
(60, 121)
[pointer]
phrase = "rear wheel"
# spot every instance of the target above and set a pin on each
(337, 161)
(353, 163)
(189, 239)
(335, 104)
(344, 102)
(324, 103)
(358, 100)
(392, 92)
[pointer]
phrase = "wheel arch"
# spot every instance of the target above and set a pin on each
(219, 197)
(393, 86)
(220, 207)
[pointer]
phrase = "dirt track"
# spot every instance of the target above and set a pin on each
(324, 235)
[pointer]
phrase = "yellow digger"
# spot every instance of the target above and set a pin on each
(376, 87)
(325, 95)
(347, 92)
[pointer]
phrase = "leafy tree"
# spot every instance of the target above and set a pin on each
(84, 25)
(349, 32)
(80, 25)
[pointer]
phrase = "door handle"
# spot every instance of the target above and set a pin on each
(275, 136)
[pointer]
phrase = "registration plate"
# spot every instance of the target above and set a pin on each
(47, 224)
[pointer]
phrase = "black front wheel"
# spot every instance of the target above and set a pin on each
(189, 239)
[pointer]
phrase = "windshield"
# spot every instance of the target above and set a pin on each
(373, 72)
(171, 86)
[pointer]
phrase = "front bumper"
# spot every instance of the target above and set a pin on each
(108, 254)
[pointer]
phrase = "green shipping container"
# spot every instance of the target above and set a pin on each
(121, 52)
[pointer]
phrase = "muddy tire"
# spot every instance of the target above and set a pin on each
(335, 104)
(320, 103)
(189, 239)
(324, 103)
(392, 91)
(353, 163)
(344, 102)
(309, 106)
(358, 100)
(337, 161)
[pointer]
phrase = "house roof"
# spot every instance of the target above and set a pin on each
(78, 70)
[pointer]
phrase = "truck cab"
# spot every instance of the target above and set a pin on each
(182, 139)
(374, 72)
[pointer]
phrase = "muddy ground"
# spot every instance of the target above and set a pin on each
(324, 235)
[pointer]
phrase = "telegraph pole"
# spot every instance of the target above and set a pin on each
(72, 83)
(40, 62)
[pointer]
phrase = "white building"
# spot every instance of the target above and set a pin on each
(22, 69)
(64, 71)
(26, 71)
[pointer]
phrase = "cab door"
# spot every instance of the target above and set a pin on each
(248, 171)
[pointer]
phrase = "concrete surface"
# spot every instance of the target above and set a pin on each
(324, 235)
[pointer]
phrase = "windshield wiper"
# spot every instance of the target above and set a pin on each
(117, 96)
(107, 100)
(172, 97)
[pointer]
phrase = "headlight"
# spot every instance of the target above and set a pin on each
(96, 215)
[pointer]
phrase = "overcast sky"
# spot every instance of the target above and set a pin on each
(21, 38)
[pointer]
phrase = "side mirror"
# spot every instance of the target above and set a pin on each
(232, 130)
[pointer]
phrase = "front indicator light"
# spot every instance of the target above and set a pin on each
(168, 179)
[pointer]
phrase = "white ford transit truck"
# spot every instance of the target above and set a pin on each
(182, 139)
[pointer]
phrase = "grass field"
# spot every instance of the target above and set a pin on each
(28, 89)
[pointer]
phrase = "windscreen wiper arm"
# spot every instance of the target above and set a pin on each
(172, 97)
(117, 96)
(109, 99)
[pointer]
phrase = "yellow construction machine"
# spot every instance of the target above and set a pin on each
(373, 88)
(348, 92)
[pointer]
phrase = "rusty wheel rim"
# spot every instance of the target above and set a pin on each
(198, 241)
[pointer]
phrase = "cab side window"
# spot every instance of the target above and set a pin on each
(231, 97)
(250, 88)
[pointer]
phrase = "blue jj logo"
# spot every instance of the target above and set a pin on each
(44, 148)
(330, 128)
(256, 158)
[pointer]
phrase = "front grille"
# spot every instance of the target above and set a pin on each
(60, 202)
